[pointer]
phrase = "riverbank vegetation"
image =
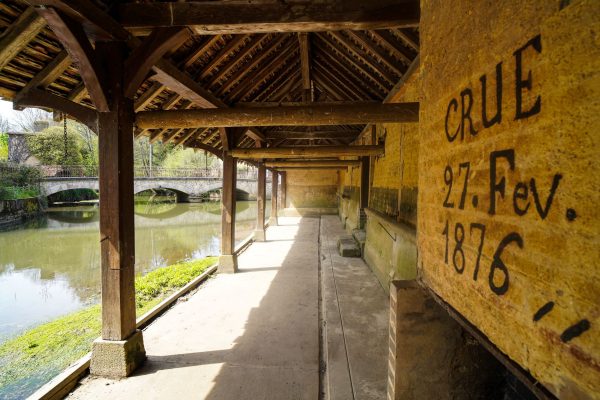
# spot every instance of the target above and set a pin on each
(18, 181)
(30, 360)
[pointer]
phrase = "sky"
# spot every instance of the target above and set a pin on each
(6, 110)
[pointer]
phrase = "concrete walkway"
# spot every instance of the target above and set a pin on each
(255, 334)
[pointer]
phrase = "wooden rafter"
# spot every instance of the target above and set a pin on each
(144, 56)
(256, 62)
(241, 17)
(19, 34)
(221, 56)
(149, 95)
(365, 42)
(48, 74)
(254, 43)
(304, 43)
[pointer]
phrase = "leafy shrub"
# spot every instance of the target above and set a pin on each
(18, 181)
(48, 146)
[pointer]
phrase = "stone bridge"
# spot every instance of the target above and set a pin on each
(184, 187)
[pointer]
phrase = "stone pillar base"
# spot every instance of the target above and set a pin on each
(227, 264)
(273, 221)
(117, 358)
(260, 236)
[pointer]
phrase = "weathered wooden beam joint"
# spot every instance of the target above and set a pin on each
(307, 115)
(309, 152)
(143, 57)
(39, 98)
(243, 17)
(74, 39)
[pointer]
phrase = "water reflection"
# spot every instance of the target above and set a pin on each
(52, 266)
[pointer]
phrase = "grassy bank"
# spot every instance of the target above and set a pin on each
(35, 357)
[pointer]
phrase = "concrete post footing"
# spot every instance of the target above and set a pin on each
(117, 358)
(227, 264)
(260, 236)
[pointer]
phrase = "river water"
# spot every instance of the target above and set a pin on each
(51, 267)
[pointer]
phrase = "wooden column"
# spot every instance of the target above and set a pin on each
(364, 190)
(228, 260)
(117, 235)
(283, 190)
(259, 232)
(273, 218)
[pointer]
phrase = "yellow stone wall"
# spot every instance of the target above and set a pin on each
(312, 188)
(511, 240)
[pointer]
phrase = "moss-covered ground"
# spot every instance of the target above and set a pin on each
(33, 358)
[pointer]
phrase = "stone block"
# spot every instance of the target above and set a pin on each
(361, 237)
(348, 247)
(259, 235)
(227, 264)
(117, 358)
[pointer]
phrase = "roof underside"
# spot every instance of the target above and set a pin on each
(240, 70)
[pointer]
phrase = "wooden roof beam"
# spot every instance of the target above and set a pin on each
(74, 39)
(146, 98)
(312, 134)
(143, 57)
(313, 163)
(304, 43)
(312, 115)
(241, 17)
(19, 34)
(308, 152)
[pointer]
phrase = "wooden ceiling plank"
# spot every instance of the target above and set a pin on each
(285, 84)
(311, 115)
(392, 42)
(353, 63)
(375, 91)
(285, 77)
(407, 39)
(345, 84)
(270, 65)
(244, 70)
(363, 57)
(18, 35)
(241, 17)
(244, 52)
(49, 73)
(331, 88)
(196, 54)
(147, 97)
(152, 49)
(224, 53)
(369, 46)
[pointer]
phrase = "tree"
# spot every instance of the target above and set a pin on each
(28, 117)
(188, 158)
(90, 143)
(3, 146)
(49, 147)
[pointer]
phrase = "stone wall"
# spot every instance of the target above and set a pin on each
(312, 189)
(508, 216)
(13, 212)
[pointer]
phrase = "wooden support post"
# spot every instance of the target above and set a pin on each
(259, 232)
(228, 260)
(283, 190)
(121, 348)
(273, 219)
(364, 191)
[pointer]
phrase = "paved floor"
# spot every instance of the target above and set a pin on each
(356, 314)
(255, 334)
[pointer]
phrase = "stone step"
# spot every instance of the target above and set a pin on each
(348, 247)
(360, 236)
